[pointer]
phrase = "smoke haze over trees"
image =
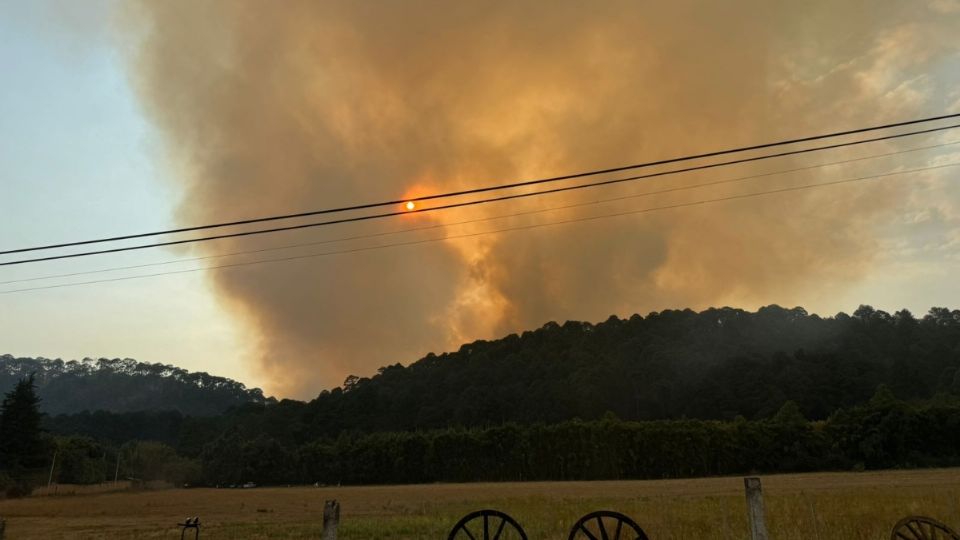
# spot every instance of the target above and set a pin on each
(277, 111)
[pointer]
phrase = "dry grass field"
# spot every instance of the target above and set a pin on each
(822, 506)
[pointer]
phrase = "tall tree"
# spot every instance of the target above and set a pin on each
(22, 446)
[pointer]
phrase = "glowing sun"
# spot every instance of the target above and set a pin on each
(410, 205)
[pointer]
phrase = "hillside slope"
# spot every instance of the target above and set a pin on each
(125, 385)
(716, 364)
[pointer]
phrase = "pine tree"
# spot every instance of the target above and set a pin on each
(22, 445)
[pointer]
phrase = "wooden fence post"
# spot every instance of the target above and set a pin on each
(331, 518)
(758, 527)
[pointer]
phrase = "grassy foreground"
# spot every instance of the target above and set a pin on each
(820, 506)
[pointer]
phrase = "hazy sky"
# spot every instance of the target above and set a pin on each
(133, 117)
(79, 160)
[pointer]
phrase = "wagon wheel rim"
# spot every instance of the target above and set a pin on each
(493, 524)
(922, 528)
(606, 525)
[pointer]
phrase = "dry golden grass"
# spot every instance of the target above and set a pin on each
(822, 506)
(76, 489)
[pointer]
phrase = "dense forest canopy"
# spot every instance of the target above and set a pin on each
(716, 364)
(124, 385)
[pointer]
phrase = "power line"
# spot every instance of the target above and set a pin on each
(478, 201)
(484, 189)
(478, 220)
(497, 231)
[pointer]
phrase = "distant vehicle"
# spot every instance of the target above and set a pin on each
(249, 485)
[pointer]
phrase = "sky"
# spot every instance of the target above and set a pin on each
(79, 160)
(129, 117)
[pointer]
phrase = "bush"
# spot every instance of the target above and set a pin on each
(19, 482)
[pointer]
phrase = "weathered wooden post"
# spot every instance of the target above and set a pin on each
(3, 526)
(758, 527)
(331, 518)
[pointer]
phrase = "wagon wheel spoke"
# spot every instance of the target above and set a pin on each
(616, 535)
(912, 534)
(922, 528)
(603, 530)
(586, 531)
(468, 533)
(503, 524)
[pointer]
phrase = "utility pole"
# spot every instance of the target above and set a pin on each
(116, 471)
(52, 465)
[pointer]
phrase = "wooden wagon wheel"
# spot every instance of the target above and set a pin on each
(922, 528)
(487, 525)
(607, 525)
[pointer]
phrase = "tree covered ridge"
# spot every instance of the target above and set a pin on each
(123, 385)
(716, 364)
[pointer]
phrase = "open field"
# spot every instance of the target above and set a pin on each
(823, 506)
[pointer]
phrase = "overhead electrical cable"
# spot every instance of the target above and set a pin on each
(483, 219)
(474, 202)
(496, 231)
(488, 188)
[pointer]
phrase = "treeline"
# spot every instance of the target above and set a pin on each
(30, 456)
(83, 460)
(675, 393)
(883, 433)
(122, 385)
(716, 364)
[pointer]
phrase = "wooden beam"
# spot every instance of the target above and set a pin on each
(754, 492)
(331, 518)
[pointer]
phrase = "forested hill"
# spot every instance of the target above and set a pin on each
(544, 405)
(716, 364)
(125, 385)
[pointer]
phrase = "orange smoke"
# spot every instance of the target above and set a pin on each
(319, 104)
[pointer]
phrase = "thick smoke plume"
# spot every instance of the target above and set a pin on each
(279, 107)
